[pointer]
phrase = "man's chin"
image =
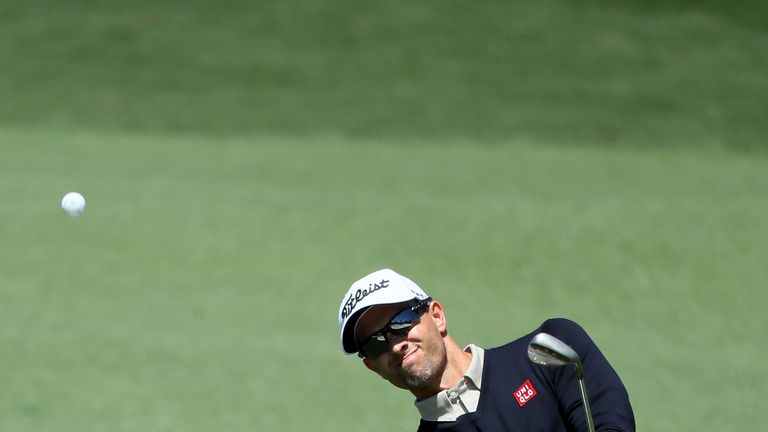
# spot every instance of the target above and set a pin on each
(415, 378)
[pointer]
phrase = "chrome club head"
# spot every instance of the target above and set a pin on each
(547, 350)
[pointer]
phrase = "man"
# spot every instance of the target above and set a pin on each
(402, 335)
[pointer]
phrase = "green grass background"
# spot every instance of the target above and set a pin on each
(243, 164)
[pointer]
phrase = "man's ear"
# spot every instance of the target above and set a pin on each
(437, 314)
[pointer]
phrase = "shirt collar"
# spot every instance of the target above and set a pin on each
(439, 406)
(475, 371)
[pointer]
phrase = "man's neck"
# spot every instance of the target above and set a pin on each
(456, 366)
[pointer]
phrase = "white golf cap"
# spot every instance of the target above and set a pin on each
(380, 287)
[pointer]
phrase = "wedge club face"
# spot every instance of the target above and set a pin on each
(547, 350)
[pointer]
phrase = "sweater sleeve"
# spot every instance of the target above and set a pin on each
(608, 398)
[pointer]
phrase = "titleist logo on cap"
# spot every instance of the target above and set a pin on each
(360, 294)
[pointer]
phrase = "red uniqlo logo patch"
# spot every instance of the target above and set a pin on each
(525, 393)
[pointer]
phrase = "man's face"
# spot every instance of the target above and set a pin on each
(413, 362)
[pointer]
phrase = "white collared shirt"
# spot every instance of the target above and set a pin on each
(460, 399)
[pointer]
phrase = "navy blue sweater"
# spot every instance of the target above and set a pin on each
(518, 395)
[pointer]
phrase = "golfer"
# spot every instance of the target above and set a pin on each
(402, 334)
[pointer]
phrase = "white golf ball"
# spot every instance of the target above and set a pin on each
(73, 204)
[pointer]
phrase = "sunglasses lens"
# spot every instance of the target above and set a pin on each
(375, 346)
(400, 325)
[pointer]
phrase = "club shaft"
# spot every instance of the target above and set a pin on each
(587, 410)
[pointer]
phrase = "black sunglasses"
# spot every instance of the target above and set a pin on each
(399, 325)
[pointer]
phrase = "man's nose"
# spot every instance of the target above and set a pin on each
(397, 342)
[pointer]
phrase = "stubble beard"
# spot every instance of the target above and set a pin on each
(424, 375)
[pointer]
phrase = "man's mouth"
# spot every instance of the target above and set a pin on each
(408, 357)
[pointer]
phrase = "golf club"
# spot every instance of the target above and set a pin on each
(547, 350)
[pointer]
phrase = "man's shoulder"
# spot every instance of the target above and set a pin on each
(562, 328)
(558, 327)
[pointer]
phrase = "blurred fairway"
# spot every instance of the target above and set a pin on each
(678, 73)
(244, 164)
